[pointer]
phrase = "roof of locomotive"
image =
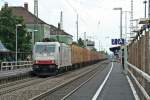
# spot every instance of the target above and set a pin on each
(44, 43)
(48, 43)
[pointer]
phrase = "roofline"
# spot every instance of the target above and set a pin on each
(62, 34)
(43, 22)
(60, 30)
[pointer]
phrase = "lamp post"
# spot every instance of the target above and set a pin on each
(107, 39)
(120, 20)
(33, 36)
(18, 25)
(126, 19)
(121, 55)
(85, 43)
(145, 3)
(77, 27)
(126, 24)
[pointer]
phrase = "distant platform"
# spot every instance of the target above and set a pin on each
(11, 73)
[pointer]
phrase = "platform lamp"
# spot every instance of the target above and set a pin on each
(18, 25)
(120, 20)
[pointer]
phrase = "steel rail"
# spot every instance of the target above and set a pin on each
(83, 83)
(35, 81)
(16, 82)
(44, 94)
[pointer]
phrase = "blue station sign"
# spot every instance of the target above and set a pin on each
(118, 41)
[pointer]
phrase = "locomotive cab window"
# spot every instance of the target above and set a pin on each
(45, 48)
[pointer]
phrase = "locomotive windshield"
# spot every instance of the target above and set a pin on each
(44, 49)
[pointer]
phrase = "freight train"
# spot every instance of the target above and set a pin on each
(55, 57)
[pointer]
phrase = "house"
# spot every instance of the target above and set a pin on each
(60, 35)
(38, 27)
(43, 29)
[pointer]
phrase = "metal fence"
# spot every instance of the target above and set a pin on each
(15, 65)
(138, 64)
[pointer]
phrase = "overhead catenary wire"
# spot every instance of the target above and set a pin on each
(74, 9)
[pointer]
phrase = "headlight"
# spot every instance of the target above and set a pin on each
(53, 61)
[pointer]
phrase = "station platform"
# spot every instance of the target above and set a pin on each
(11, 73)
(108, 84)
(117, 86)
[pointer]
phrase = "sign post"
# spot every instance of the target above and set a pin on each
(125, 60)
(123, 52)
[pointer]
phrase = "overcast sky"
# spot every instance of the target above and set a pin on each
(96, 17)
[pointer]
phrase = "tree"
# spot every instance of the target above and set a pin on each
(8, 23)
(81, 42)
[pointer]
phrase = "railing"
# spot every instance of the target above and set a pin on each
(15, 65)
(141, 73)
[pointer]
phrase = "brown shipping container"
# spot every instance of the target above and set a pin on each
(83, 55)
(76, 54)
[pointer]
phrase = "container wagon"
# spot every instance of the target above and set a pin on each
(54, 57)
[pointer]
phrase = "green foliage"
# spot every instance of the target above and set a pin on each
(81, 42)
(94, 49)
(8, 23)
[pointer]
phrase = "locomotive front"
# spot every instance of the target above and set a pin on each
(45, 58)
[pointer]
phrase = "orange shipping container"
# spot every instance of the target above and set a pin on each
(76, 54)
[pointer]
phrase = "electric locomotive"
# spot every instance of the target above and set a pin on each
(50, 57)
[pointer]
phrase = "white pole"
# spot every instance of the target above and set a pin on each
(16, 44)
(125, 22)
(85, 39)
(120, 20)
(18, 25)
(121, 23)
(77, 27)
(131, 20)
(99, 45)
(33, 38)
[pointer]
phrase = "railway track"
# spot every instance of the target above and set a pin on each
(64, 90)
(19, 85)
(13, 86)
(27, 89)
(15, 82)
